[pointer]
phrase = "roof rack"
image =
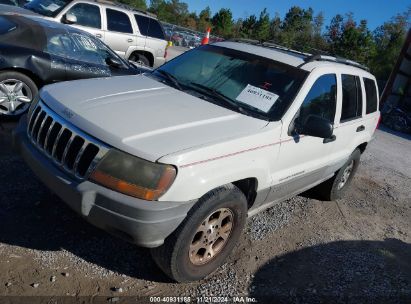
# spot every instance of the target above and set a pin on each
(125, 6)
(319, 57)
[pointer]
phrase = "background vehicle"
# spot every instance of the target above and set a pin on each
(220, 133)
(133, 34)
(35, 52)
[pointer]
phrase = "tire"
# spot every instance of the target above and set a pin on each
(17, 91)
(140, 59)
(180, 257)
(335, 187)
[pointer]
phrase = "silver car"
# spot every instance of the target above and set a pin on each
(133, 34)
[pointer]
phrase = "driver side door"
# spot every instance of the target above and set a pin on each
(303, 160)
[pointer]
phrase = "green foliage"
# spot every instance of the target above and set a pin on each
(139, 4)
(223, 22)
(204, 21)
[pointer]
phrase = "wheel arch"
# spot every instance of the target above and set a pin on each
(362, 147)
(37, 80)
(148, 54)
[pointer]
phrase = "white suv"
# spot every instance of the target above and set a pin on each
(178, 158)
(133, 34)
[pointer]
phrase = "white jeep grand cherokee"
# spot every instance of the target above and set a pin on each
(177, 159)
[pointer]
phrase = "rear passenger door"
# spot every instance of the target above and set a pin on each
(155, 38)
(119, 34)
(351, 128)
(88, 18)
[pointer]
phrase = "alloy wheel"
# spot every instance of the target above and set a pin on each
(211, 237)
(15, 97)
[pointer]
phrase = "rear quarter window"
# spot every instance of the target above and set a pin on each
(6, 25)
(371, 96)
(352, 97)
(155, 30)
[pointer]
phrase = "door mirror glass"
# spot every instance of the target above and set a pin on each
(317, 126)
(69, 18)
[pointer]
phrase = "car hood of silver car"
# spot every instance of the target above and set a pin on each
(145, 117)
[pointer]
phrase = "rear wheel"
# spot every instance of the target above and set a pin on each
(207, 236)
(17, 91)
(335, 187)
(140, 59)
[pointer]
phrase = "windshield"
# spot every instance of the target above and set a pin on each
(49, 8)
(244, 82)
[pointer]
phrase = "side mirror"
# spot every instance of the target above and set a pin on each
(69, 18)
(114, 62)
(317, 126)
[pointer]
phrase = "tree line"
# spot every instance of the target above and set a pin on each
(300, 29)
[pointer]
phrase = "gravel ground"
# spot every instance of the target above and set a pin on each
(303, 250)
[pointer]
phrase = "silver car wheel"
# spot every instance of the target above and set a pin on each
(15, 97)
(346, 175)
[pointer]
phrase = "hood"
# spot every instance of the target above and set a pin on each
(144, 117)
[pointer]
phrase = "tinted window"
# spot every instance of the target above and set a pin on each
(155, 30)
(143, 23)
(320, 100)
(371, 95)
(87, 15)
(6, 25)
(351, 97)
(118, 22)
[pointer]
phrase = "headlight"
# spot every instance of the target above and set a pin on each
(133, 176)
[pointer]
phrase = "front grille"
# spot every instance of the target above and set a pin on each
(69, 148)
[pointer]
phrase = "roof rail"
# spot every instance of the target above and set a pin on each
(307, 57)
(125, 6)
(270, 44)
(319, 57)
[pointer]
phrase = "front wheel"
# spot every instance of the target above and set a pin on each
(206, 237)
(17, 91)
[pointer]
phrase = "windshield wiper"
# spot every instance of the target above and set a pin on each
(216, 94)
(172, 78)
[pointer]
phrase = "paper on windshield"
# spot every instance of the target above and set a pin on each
(257, 98)
(53, 7)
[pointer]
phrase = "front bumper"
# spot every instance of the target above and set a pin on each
(141, 222)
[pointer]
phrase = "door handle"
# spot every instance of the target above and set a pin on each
(99, 35)
(129, 40)
(330, 139)
(360, 128)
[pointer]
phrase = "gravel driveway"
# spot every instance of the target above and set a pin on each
(356, 250)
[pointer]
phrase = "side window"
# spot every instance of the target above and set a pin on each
(320, 100)
(118, 22)
(143, 24)
(351, 97)
(371, 95)
(60, 45)
(87, 15)
(155, 30)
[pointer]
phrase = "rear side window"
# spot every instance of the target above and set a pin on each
(118, 22)
(320, 100)
(352, 97)
(6, 25)
(371, 95)
(143, 24)
(87, 15)
(149, 27)
(155, 30)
